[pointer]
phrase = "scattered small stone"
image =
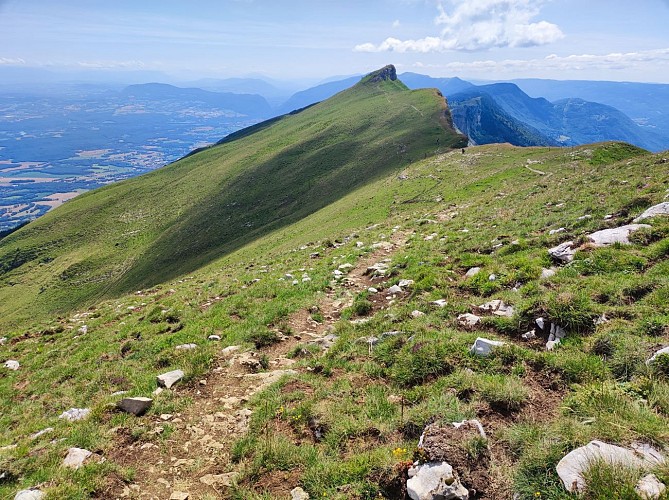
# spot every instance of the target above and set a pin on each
(218, 480)
(563, 253)
(186, 347)
(76, 457)
(440, 302)
(616, 235)
(417, 314)
(405, 283)
(492, 277)
(41, 433)
(650, 487)
(158, 391)
(31, 494)
(469, 320)
(298, 494)
(552, 344)
(531, 335)
(601, 320)
(584, 217)
(214, 338)
(371, 289)
(314, 255)
(168, 379)
(541, 323)
(497, 308)
(230, 349)
(346, 266)
(3, 340)
(472, 272)
(394, 289)
(12, 364)
(547, 273)
(326, 342)
(556, 231)
(484, 347)
(74, 414)
(119, 393)
(472, 422)
(383, 245)
(435, 480)
(179, 495)
(137, 406)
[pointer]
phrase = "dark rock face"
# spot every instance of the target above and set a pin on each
(384, 74)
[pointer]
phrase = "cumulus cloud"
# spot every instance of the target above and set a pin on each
(472, 25)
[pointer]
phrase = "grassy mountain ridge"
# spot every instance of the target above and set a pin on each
(174, 220)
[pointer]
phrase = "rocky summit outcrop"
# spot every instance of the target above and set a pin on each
(387, 73)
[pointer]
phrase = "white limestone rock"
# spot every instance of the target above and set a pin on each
(405, 283)
(547, 273)
(31, 494)
(435, 481)
(469, 320)
(620, 235)
(76, 457)
(137, 406)
(12, 364)
(484, 347)
(572, 466)
(440, 302)
(563, 253)
(298, 494)
(497, 308)
(168, 379)
(472, 272)
(74, 414)
(186, 347)
(417, 314)
(395, 289)
(661, 209)
(659, 353)
(650, 487)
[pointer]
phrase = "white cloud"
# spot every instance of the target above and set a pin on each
(641, 60)
(11, 61)
(397, 24)
(472, 25)
(112, 64)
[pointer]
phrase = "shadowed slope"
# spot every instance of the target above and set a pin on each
(176, 219)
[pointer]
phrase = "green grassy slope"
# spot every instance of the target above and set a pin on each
(535, 405)
(174, 220)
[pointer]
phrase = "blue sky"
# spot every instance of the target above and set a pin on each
(289, 39)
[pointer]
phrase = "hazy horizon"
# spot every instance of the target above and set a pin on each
(311, 41)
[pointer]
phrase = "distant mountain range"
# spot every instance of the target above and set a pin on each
(566, 114)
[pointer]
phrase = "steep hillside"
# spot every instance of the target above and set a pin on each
(348, 335)
(172, 221)
(568, 122)
(479, 117)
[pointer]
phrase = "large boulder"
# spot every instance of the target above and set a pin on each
(573, 465)
(661, 209)
(620, 235)
(434, 481)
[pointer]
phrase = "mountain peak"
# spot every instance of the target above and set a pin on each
(387, 73)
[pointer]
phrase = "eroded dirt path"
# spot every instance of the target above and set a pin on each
(194, 458)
